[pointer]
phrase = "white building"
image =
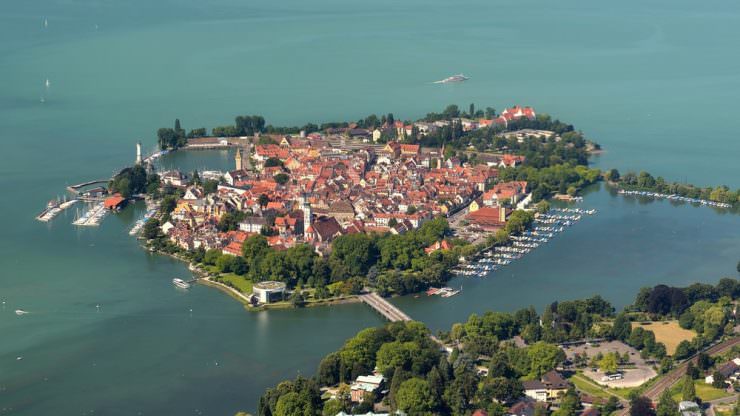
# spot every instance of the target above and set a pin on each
(268, 291)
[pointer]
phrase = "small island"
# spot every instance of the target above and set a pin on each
(380, 205)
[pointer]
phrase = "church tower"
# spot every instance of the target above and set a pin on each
(238, 159)
(306, 217)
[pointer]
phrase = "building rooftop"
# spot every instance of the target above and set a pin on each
(269, 285)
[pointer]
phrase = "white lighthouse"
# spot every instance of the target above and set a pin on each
(138, 153)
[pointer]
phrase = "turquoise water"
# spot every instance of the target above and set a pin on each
(654, 83)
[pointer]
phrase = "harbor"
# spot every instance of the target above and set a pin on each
(91, 217)
(139, 224)
(54, 208)
(544, 228)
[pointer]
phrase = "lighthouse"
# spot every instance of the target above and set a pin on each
(138, 153)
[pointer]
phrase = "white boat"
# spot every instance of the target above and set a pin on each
(454, 78)
(47, 83)
(20, 312)
(180, 283)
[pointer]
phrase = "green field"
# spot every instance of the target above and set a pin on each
(239, 282)
(705, 391)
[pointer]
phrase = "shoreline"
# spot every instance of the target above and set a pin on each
(204, 278)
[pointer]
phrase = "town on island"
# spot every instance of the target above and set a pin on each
(362, 211)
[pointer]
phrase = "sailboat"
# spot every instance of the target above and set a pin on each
(47, 84)
(46, 22)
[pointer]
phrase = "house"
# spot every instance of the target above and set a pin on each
(324, 230)
(365, 385)
(480, 412)
(410, 150)
(536, 390)
(342, 210)
(518, 112)
(687, 408)
(174, 178)
(548, 388)
(729, 369)
(506, 192)
(439, 245)
(252, 224)
(115, 202)
(193, 193)
(525, 407)
(591, 411)
(489, 218)
(476, 205)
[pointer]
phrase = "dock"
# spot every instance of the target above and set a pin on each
(75, 189)
(92, 217)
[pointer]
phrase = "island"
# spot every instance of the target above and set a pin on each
(326, 213)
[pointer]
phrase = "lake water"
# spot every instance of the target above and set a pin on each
(654, 83)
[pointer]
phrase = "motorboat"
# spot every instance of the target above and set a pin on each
(181, 283)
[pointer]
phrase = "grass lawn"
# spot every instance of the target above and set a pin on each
(669, 333)
(705, 391)
(244, 285)
(587, 386)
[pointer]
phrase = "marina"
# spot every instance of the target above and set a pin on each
(139, 224)
(54, 208)
(544, 228)
(92, 217)
(674, 197)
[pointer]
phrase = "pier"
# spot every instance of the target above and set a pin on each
(76, 188)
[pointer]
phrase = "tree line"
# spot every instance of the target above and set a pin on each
(644, 181)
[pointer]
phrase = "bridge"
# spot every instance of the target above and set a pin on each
(391, 312)
(383, 307)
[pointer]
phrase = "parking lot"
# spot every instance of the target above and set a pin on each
(637, 373)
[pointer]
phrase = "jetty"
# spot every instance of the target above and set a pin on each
(75, 189)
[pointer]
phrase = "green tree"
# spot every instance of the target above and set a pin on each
(609, 363)
(666, 405)
(569, 404)
(641, 406)
(151, 229)
(718, 380)
(611, 405)
(332, 407)
(502, 389)
(622, 327)
(688, 390)
(291, 404)
(543, 357)
(415, 397)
